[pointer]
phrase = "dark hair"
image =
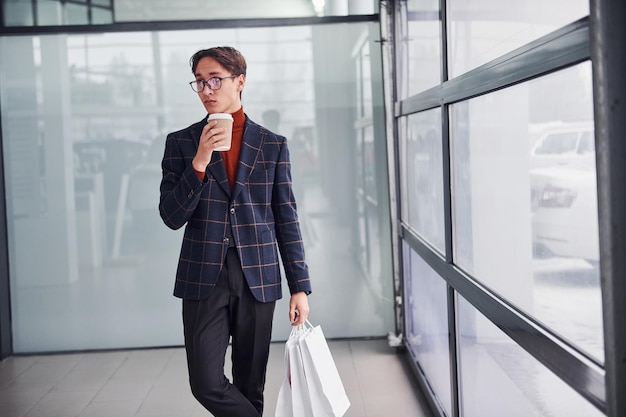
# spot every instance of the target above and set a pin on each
(227, 56)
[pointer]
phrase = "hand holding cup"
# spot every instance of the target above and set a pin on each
(224, 120)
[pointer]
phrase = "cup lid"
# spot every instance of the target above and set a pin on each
(220, 116)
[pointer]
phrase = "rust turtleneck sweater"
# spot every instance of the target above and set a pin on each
(231, 156)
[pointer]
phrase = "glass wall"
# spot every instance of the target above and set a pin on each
(422, 176)
(525, 159)
(480, 31)
(498, 205)
(427, 327)
(56, 12)
(95, 12)
(499, 378)
(422, 44)
(84, 121)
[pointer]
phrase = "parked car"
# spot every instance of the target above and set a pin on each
(570, 145)
(565, 212)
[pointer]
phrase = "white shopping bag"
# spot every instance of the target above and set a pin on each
(326, 392)
(312, 386)
(284, 406)
(293, 397)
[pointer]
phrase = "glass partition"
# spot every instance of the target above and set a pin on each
(64, 13)
(427, 333)
(499, 378)
(421, 166)
(525, 200)
(482, 30)
(419, 65)
(84, 121)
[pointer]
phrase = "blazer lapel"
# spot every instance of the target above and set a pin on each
(217, 168)
(251, 144)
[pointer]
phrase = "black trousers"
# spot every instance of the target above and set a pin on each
(230, 310)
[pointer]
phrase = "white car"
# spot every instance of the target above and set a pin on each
(565, 212)
(569, 145)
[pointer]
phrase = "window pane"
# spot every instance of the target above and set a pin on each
(49, 12)
(88, 115)
(419, 63)
(76, 14)
(155, 10)
(499, 378)
(526, 223)
(427, 324)
(482, 30)
(101, 16)
(18, 13)
(422, 178)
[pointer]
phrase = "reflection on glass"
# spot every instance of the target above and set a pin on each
(57, 12)
(427, 324)
(159, 10)
(76, 14)
(364, 74)
(18, 13)
(482, 30)
(91, 113)
(420, 51)
(101, 16)
(49, 12)
(499, 378)
(525, 218)
(422, 179)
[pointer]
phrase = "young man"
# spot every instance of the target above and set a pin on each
(238, 210)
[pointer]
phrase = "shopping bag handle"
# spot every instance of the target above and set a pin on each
(301, 329)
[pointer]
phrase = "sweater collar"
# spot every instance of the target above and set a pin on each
(239, 118)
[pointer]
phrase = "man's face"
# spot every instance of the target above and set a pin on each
(227, 98)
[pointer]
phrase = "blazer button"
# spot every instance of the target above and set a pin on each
(232, 210)
(191, 193)
(226, 241)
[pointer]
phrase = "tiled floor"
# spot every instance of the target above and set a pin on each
(153, 383)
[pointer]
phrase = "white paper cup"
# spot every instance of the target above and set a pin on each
(223, 120)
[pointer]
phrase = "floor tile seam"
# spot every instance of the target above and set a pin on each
(49, 390)
(64, 373)
(15, 377)
(93, 395)
(6, 384)
(358, 380)
(82, 410)
(156, 379)
(96, 402)
(163, 367)
(107, 381)
(40, 400)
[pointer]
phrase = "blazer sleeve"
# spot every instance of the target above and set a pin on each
(180, 186)
(288, 234)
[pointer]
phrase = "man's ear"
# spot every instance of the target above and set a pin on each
(241, 82)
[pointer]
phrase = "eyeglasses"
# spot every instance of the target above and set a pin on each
(214, 83)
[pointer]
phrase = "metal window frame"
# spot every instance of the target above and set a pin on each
(608, 62)
(183, 25)
(34, 7)
(560, 49)
(6, 331)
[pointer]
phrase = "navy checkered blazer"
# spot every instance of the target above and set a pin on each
(259, 214)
